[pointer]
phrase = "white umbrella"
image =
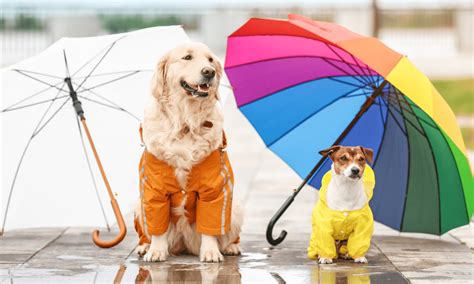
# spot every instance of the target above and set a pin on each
(45, 174)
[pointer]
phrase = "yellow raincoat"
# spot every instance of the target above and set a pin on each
(329, 225)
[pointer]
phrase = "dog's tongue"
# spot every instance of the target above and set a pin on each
(203, 88)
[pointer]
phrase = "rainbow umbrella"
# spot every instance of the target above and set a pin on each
(306, 85)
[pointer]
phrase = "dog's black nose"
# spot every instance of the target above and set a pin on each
(208, 72)
(355, 171)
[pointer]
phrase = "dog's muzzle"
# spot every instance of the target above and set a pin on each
(201, 91)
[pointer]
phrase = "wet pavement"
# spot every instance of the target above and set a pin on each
(263, 182)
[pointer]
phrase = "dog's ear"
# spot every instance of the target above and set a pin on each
(368, 153)
(158, 83)
(218, 67)
(330, 151)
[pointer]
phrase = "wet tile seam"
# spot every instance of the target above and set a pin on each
(130, 253)
(45, 246)
(389, 260)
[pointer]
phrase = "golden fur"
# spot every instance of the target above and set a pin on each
(174, 131)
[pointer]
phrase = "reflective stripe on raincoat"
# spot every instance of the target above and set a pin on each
(330, 225)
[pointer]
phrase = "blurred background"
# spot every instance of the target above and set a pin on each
(436, 35)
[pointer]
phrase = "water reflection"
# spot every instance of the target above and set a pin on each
(243, 270)
(212, 273)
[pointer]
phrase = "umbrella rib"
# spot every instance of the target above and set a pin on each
(100, 61)
(10, 193)
(96, 55)
(39, 80)
(340, 57)
(384, 120)
(115, 105)
(51, 117)
(34, 104)
(408, 174)
(113, 73)
(311, 115)
(100, 103)
(91, 172)
(411, 123)
(347, 73)
(31, 96)
(344, 82)
(38, 73)
(360, 67)
(107, 82)
(395, 119)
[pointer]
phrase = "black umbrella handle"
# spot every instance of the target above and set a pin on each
(271, 224)
(75, 101)
(367, 104)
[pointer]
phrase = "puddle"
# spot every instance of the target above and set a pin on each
(227, 272)
(249, 256)
(251, 267)
(74, 257)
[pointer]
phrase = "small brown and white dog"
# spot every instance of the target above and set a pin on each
(184, 98)
(342, 216)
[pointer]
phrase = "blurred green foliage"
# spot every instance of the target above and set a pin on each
(27, 22)
(417, 18)
(124, 23)
(458, 93)
(460, 96)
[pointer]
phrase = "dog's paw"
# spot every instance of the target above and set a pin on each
(156, 254)
(142, 249)
(209, 251)
(361, 260)
(211, 255)
(232, 249)
(324, 260)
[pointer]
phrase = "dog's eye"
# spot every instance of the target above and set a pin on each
(361, 159)
(343, 158)
(188, 57)
(211, 59)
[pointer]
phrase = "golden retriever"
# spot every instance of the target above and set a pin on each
(184, 97)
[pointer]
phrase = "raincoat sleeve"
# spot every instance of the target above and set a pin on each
(322, 242)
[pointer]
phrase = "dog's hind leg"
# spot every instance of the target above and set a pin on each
(229, 244)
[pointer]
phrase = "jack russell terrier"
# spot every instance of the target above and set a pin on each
(342, 222)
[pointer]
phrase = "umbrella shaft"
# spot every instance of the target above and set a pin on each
(96, 155)
(370, 100)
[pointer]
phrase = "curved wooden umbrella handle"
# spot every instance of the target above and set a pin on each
(122, 229)
(113, 201)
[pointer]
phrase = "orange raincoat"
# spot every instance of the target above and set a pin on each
(208, 195)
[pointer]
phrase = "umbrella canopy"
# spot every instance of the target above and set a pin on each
(46, 179)
(300, 83)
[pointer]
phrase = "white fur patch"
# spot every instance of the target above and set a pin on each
(345, 193)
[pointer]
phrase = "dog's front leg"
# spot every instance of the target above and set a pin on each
(158, 250)
(209, 251)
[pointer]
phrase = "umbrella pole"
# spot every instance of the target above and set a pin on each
(118, 215)
(370, 100)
